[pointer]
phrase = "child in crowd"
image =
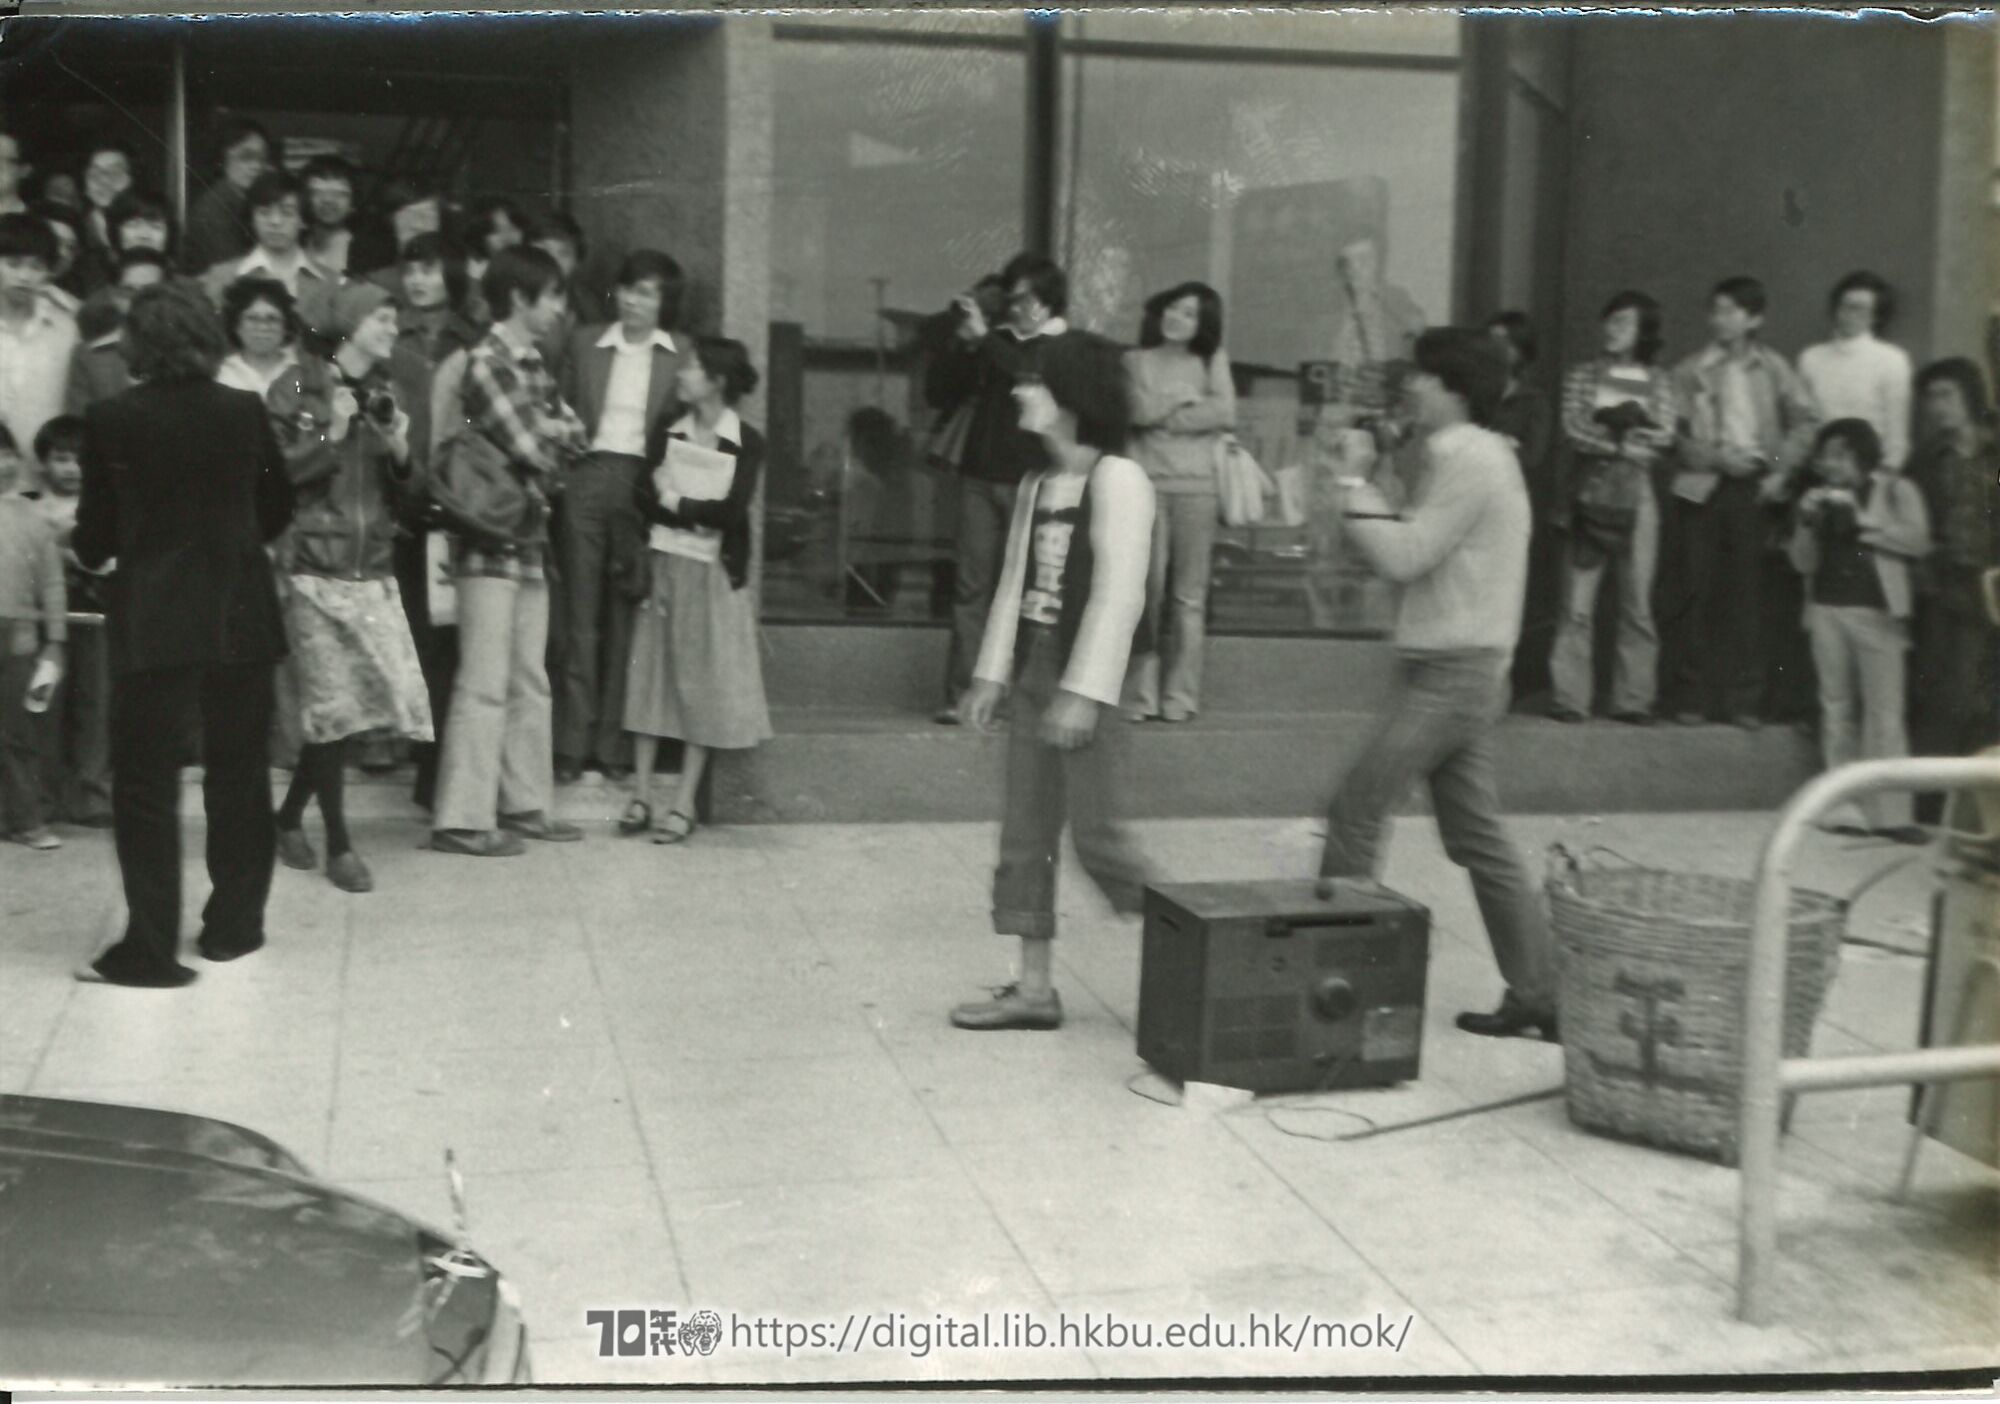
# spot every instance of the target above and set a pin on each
(34, 614)
(1067, 614)
(1858, 527)
(695, 675)
(76, 771)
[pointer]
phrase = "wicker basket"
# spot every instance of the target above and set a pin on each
(1652, 969)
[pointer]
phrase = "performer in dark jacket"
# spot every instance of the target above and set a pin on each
(183, 484)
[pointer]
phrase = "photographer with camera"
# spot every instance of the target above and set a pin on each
(975, 376)
(346, 440)
(1859, 527)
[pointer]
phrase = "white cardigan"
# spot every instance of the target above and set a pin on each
(1121, 541)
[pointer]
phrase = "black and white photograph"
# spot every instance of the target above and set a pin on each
(1197, 698)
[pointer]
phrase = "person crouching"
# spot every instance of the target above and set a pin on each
(1070, 601)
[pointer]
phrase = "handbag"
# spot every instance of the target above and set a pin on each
(477, 494)
(1240, 484)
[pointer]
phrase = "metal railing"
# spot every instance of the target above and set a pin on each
(1768, 1076)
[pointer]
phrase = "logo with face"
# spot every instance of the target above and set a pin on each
(701, 1333)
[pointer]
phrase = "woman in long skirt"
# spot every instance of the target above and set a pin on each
(695, 675)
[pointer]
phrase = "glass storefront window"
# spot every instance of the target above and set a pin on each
(1318, 200)
(898, 155)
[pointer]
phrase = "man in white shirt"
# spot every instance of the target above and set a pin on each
(620, 378)
(1460, 552)
(37, 337)
(1857, 375)
(277, 218)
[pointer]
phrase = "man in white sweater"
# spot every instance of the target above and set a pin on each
(1460, 552)
(1857, 375)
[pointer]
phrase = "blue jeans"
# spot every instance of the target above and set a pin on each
(1048, 790)
(1438, 728)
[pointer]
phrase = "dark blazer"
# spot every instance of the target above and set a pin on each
(730, 515)
(183, 484)
(586, 374)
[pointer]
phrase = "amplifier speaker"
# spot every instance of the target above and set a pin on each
(1269, 987)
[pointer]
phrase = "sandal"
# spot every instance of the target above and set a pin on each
(638, 818)
(667, 833)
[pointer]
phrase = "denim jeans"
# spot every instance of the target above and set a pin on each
(1176, 596)
(22, 740)
(1719, 616)
(498, 757)
(1859, 654)
(985, 514)
(1438, 728)
(1634, 676)
(1046, 788)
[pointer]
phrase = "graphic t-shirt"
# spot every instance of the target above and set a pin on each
(1057, 506)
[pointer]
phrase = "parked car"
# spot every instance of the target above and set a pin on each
(151, 1247)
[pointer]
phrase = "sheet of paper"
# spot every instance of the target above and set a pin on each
(703, 474)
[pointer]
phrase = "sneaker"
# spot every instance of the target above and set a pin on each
(536, 824)
(1566, 714)
(295, 850)
(347, 872)
(41, 838)
(477, 843)
(1010, 1009)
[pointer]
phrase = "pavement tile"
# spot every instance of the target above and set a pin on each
(816, 1252)
(1688, 1329)
(1350, 1325)
(1211, 1209)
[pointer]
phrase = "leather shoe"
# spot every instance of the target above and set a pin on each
(1512, 1019)
(568, 772)
(536, 824)
(219, 953)
(295, 850)
(477, 843)
(1566, 714)
(1633, 718)
(171, 979)
(1747, 721)
(347, 872)
(1010, 1009)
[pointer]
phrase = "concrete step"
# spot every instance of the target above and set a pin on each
(900, 669)
(830, 764)
(847, 765)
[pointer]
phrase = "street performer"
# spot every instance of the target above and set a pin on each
(1459, 551)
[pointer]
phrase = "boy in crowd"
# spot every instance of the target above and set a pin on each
(329, 183)
(1857, 375)
(14, 173)
(277, 215)
(218, 224)
(34, 624)
(98, 370)
(37, 338)
(1748, 426)
(76, 770)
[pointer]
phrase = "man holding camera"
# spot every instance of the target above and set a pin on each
(975, 376)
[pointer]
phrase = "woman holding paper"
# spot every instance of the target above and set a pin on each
(695, 675)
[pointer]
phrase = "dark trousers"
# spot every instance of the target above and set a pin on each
(149, 716)
(985, 513)
(599, 544)
(1718, 620)
(1048, 789)
(76, 774)
(1438, 729)
(21, 734)
(437, 656)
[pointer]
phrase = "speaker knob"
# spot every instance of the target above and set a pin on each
(1333, 999)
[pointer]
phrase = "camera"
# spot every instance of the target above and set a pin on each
(380, 407)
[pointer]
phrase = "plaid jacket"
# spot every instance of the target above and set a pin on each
(509, 396)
